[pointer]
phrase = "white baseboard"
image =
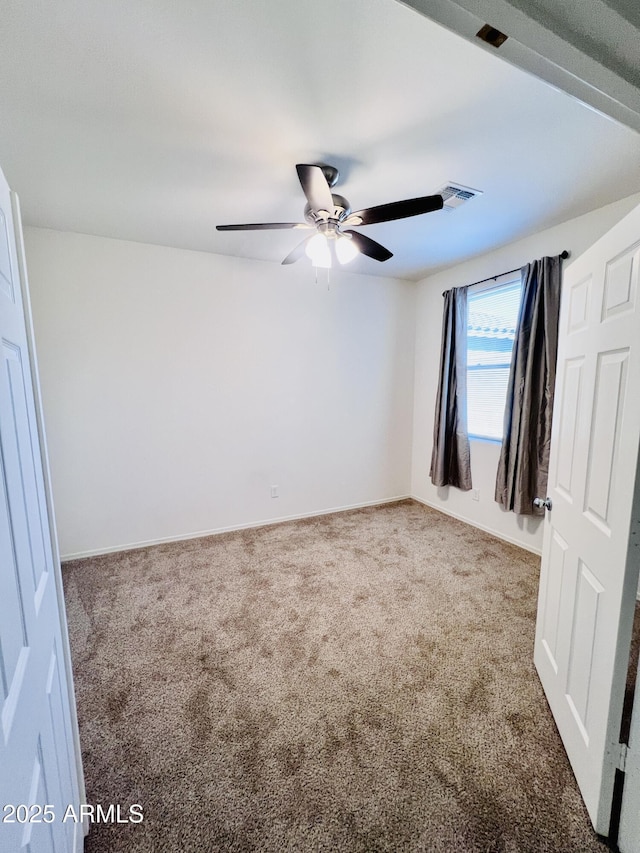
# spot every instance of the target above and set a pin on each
(510, 539)
(96, 552)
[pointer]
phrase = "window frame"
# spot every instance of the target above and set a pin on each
(473, 290)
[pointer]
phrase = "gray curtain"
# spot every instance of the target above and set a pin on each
(524, 459)
(450, 459)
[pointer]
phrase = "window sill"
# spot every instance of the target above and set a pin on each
(485, 439)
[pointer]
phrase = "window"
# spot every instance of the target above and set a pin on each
(492, 314)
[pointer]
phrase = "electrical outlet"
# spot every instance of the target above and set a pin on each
(476, 494)
(274, 492)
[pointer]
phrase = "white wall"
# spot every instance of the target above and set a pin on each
(179, 386)
(576, 236)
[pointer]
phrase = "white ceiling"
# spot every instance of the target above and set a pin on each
(156, 120)
(589, 48)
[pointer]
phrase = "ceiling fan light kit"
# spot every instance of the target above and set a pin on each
(346, 249)
(317, 249)
(331, 216)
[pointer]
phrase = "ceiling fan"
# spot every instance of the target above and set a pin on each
(331, 217)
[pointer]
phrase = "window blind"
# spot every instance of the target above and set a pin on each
(492, 315)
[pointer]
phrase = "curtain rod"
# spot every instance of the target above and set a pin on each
(564, 255)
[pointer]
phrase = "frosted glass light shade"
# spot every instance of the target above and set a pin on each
(346, 249)
(317, 249)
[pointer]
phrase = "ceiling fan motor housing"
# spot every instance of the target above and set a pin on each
(330, 173)
(341, 209)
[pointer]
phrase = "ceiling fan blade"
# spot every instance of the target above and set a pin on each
(315, 187)
(369, 247)
(262, 226)
(396, 210)
(297, 253)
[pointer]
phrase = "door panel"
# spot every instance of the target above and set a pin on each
(621, 283)
(555, 582)
(579, 298)
(22, 464)
(567, 427)
(585, 623)
(606, 422)
(6, 276)
(587, 582)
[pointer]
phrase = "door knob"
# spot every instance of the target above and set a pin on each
(542, 503)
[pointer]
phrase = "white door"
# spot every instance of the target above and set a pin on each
(589, 572)
(39, 758)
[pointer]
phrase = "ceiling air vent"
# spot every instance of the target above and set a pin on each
(455, 194)
(492, 36)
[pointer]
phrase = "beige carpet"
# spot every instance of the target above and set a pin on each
(355, 682)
